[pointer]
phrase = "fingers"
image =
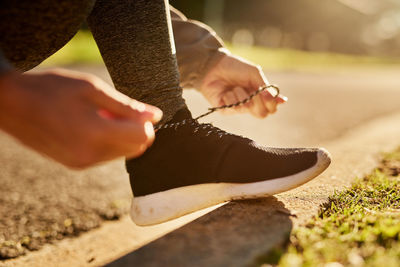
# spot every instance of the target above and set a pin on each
(119, 138)
(104, 139)
(280, 99)
(98, 123)
(271, 102)
(113, 104)
(242, 94)
(236, 95)
(124, 126)
(229, 98)
(266, 102)
(259, 108)
(129, 131)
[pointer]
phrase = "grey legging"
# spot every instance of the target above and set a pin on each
(133, 36)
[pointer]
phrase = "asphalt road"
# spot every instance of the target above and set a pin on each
(41, 201)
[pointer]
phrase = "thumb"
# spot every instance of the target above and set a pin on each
(280, 99)
(116, 105)
(259, 79)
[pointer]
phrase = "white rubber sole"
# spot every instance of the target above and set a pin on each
(167, 205)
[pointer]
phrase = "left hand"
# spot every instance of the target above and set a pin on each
(233, 79)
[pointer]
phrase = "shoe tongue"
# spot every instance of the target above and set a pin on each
(181, 115)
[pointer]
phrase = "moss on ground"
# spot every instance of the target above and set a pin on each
(357, 227)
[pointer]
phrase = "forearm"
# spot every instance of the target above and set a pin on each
(198, 49)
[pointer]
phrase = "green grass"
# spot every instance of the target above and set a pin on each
(357, 227)
(82, 49)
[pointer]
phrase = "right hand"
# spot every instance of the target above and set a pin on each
(234, 79)
(74, 118)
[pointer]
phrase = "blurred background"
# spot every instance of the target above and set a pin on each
(286, 34)
(360, 27)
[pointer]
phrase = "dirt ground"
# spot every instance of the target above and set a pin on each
(41, 201)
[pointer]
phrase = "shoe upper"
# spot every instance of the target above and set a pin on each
(191, 153)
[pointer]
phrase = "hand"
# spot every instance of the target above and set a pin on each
(233, 79)
(74, 118)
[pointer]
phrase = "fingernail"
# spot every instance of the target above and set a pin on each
(284, 98)
(140, 107)
(148, 129)
(157, 114)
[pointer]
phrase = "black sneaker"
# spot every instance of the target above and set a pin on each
(192, 166)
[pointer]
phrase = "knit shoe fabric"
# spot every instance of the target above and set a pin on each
(192, 166)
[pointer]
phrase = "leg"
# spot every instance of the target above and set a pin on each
(135, 40)
(31, 31)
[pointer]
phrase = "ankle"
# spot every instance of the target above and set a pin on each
(180, 116)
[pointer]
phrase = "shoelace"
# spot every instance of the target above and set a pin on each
(213, 109)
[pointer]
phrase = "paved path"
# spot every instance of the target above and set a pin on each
(322, 108)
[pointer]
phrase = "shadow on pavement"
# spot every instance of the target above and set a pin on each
(236, 234)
